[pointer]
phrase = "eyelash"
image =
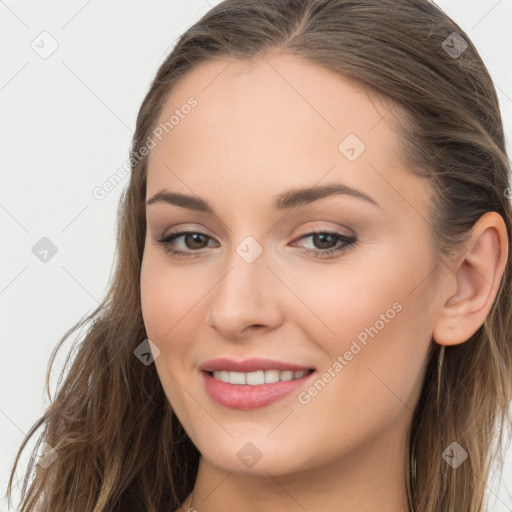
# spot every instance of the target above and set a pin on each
(349, 241)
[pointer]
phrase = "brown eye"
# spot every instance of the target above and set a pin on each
(193, 242)
(325, 242)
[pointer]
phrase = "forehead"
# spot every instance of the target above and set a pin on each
(257, 128)
(277, 95)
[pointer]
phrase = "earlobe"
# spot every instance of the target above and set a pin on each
(477, 278)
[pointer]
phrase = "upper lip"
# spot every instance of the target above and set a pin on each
(249, 365)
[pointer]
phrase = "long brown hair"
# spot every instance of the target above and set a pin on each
(118, 444)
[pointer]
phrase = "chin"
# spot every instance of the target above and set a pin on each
(253, 454)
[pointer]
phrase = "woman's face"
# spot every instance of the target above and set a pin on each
(358, 308)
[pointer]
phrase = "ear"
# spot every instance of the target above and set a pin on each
(476, 279)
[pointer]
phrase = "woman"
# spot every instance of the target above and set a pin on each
(312, 302)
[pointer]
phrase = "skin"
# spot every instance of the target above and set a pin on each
(258, 130)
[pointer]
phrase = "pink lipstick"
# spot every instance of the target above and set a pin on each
(252, 383)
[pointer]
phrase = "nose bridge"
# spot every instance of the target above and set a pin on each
(245, 294)
(244, 284)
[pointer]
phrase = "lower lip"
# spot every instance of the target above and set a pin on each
(245, 396)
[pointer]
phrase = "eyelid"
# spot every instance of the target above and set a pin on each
(322, 229)
(185, 227)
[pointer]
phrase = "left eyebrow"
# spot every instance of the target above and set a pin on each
(283, 201)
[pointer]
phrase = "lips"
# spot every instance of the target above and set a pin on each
(254, 395)
(245, 396)
(250, 365)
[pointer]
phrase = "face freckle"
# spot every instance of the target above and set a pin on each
(359, 316)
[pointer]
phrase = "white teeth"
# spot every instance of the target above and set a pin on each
(254, 378)
(271, 376)
(286, 375)
(236, 378)
(258, 377)
(223, 375)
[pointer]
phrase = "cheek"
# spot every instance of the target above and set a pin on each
(378, 323)
(156, 301)
(173, 308)
(164, 307)
(166, 297)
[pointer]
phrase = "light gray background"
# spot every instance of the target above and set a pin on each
(66, 124)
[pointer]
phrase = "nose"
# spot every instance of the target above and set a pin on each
(245, 299)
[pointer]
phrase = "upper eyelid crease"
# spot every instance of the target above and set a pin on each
(284, 201)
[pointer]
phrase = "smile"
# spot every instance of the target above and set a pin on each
(258, 377)
(239, 390)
